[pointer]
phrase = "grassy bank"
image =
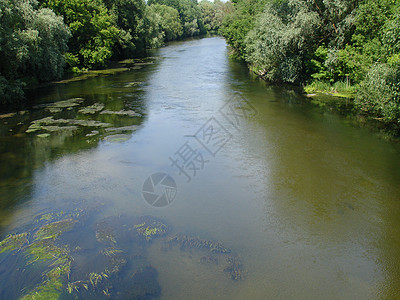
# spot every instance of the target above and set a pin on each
(338, 89)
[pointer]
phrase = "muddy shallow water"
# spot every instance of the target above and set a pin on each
(307, 204)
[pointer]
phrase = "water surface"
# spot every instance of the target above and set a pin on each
(308, 201)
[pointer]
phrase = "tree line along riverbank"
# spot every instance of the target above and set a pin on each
(41, 40)
(341, 47)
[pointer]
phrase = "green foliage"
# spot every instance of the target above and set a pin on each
(317, 65)
(11, 90)
(48, 61)
(94, 33)
(213, 13)
(128, 15)
(39, 38)
(277, 46)
(238, 22)
(169, 20)
(189, 14)
(32, 44)
(151, 26)
(334, 46)
(391, 33)
(208, 13)
(338, 89)
(235, 28)
(379, 94)
(371, 16)
(348, 62)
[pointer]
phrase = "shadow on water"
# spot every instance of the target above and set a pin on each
(331, 192)
(65, 118)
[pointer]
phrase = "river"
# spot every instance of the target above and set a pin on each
(306, 202)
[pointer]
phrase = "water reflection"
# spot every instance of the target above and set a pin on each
(329, 188)
(22, 152)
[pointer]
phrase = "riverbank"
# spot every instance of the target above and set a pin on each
(338, 89)
(371, 104)
(345, 107)
(33, 89)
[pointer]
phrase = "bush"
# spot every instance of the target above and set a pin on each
(278, 47)
(32, 45)
(379, 93)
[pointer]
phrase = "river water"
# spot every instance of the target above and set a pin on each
(307, 203)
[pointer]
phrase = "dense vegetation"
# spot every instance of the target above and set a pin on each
(40, 39)
(329, 45)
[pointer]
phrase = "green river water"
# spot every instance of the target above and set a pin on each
(306, 203)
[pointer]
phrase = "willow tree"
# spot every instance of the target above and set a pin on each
(32, 46)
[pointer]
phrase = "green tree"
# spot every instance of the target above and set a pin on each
(128, 15)
(32, 44)
(379, 94)
(169, 21)
(391, 36)
(93, 31)
(238, 22)
(213, 13)
(277, 47)
(151, 28)
(189, 14)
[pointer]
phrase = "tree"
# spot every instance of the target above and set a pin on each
(32, 44)
(277, 46)
(379, 94)
(128, 15)
(189, 14)
(93, 31)
(238, 23)
(213, 13)
(151, 26)
(169, 21)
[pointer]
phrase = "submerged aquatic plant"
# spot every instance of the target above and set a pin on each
(110, 252)
(128, 113)
(54, 125)
(234, 267)
(95, 278)
(92, 109)
(105, 236)
(117, 138)
(13, 242)
(74, 286)
(60, 105)
(55, 229)
(186, 242)
(151, 228)
(123, 271)
(50, 289)
(43, 250)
